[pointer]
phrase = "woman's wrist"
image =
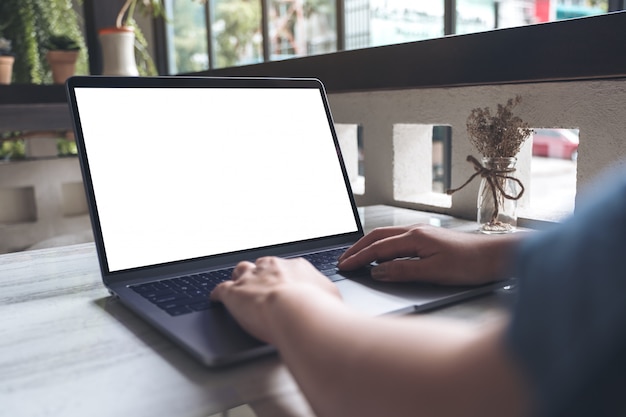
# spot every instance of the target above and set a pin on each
(500, 254)
(293, 305)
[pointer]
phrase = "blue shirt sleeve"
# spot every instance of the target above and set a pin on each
(568, 330)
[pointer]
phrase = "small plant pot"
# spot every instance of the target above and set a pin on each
(62, 64)
(6, 68)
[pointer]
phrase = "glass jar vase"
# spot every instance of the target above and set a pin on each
(497, 196)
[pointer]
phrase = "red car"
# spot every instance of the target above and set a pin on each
(556, 143)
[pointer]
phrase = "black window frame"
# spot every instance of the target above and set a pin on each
(449, 28)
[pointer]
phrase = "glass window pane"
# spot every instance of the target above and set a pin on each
(480, 15)
(187, 36)
(236, 29)
(475, 15)
(553, 173)
(385, 22)
(570, 9)
(302, 27)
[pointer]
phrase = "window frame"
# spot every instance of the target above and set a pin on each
(160, 32)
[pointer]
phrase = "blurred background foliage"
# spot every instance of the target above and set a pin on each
(29, 25)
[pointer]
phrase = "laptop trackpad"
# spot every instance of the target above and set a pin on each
(372, 301)
(377, 298)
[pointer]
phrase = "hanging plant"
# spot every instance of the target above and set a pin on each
(126, 15)
(30, 24)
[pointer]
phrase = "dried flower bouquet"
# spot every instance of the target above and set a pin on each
(500, 135)
(498, 138)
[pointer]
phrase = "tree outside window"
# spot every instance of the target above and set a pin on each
(302, 27)
(237, 33)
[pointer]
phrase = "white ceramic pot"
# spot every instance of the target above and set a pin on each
(118, 51)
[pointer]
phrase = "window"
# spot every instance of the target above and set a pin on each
(236, 32)
(299, 28)
(252, 31)
(397, 21)
(481, 15)
(187, 34)
(553, 173)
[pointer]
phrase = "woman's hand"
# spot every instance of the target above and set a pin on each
(432, 254)
(262, 289)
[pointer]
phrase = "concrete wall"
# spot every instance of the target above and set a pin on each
(597, 108)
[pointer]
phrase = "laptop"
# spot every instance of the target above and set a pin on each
(187, 176)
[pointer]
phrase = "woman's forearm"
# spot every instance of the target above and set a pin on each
(348, 364)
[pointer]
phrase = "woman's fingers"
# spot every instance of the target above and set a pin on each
(394, 245)
(370, 238)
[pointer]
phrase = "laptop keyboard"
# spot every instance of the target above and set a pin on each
(326, 261)
(190, 293)
(183, 295)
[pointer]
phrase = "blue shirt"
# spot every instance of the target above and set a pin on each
(568, 330)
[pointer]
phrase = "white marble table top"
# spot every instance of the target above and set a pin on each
(68, 349)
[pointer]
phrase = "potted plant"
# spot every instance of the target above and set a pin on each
(6, 61)
(29, 24)
(124, 47)
(62, 55)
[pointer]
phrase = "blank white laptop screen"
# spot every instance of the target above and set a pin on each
(182, 173)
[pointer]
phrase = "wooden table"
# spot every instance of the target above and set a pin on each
(68, 349)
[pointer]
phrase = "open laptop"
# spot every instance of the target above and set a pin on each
(187, 176)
